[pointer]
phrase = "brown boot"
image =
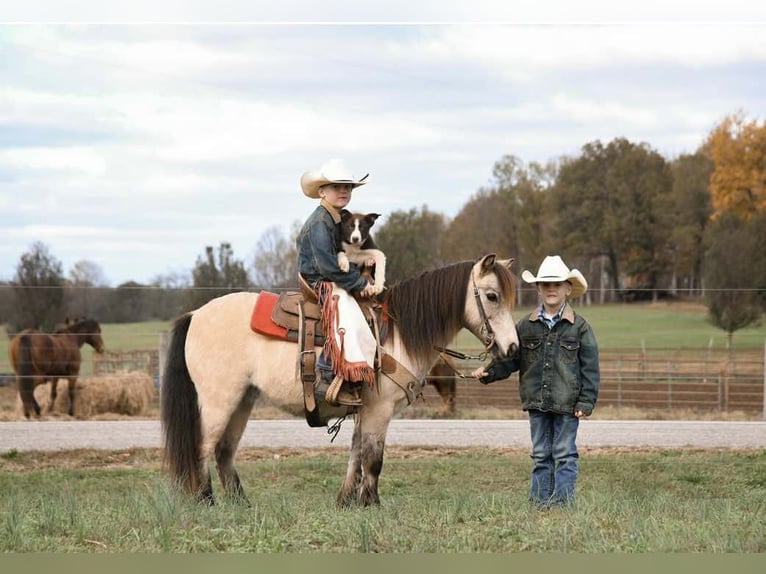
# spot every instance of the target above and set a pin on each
(341, 392)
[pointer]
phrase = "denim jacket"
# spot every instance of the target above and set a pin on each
(558, 367)
(317, 251)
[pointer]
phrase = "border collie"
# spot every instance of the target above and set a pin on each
(357, 246)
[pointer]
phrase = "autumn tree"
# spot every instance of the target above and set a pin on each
(38, 290)
(737, 148)
(412, 242)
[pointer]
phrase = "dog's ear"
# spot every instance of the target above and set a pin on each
(345, 215)
(371, 217)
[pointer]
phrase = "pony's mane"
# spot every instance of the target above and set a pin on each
(428, 308)
(81, 326)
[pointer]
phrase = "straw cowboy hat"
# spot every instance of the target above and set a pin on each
(333, 171)
(553, 269)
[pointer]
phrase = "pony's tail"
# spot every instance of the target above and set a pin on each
(26, 380)
(179, 413)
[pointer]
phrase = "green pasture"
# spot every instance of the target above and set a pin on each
(472, 501)
(654, 326)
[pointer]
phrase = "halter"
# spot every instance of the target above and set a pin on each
(487, 333)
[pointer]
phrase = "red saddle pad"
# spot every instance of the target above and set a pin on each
(260, 320)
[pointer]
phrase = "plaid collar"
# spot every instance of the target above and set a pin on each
(565, 312)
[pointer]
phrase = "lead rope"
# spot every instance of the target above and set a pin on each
(335, 428)
(445, 353)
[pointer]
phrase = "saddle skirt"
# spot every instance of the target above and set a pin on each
(277, 315)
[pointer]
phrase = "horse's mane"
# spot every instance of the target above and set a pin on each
(428, 308)
(79, 326)
(425, 308)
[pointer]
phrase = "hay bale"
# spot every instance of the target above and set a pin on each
(121, 392)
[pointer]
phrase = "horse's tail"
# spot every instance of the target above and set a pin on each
(26, 380)
(179, 413)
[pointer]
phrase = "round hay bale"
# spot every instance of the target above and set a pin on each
(122, 392)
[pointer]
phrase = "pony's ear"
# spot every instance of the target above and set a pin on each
(487, 263)
(507, 262)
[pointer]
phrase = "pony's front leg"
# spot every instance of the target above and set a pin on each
(348, 492)
(372, 464)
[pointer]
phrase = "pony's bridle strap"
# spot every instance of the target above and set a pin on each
(488, 334)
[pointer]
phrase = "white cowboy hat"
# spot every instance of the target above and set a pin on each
(553, 269)
(333, 171)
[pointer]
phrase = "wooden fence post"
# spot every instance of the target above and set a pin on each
(162, 351)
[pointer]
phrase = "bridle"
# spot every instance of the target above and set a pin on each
(486, 331)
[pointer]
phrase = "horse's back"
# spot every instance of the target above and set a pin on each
(48, 355)
(222, 350)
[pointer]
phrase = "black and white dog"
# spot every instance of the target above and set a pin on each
(359, 247)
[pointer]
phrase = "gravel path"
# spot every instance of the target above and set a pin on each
(65, 435)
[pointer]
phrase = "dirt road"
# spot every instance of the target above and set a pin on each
(66, 435)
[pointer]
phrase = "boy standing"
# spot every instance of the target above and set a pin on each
(558, 379)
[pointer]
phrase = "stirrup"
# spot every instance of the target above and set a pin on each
(336, 395)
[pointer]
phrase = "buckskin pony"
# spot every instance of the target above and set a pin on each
(218, 368)
(38, 358)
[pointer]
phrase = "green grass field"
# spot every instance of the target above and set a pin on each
(661, 325)
(464, 501)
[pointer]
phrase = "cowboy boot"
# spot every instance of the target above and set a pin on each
(341, 392)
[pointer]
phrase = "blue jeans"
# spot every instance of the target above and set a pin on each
(554, 453)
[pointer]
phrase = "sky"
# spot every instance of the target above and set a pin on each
(132, 137)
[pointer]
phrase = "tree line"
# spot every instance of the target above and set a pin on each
(638, 225)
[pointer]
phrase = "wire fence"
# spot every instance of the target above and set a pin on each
(661, 379)
(711, 380)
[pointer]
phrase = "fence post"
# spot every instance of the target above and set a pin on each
(162, 351)
(670, 387)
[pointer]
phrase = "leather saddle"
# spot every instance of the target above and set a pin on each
(296, 316)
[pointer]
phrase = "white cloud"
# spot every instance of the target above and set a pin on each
(136, 145)
(522, 52)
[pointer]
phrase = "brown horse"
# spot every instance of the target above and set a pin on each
(217, 369)
(443, 378)
(39, 358)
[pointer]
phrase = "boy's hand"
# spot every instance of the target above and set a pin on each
(580, 415)
(368, 290)
(479, 373)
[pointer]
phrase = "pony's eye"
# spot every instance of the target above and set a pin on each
(492, 297)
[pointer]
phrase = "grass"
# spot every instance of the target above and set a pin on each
(459, 501)
(653, 325)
